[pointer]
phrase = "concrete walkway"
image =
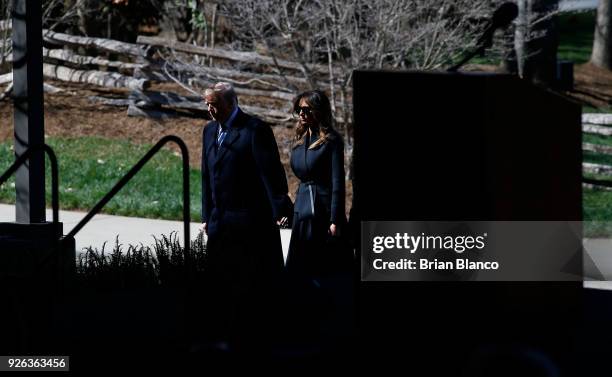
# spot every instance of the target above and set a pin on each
(577, 5)
(600, 252)
(134, 230)
(131, 230)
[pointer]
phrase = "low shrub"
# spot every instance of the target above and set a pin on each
(140, 266)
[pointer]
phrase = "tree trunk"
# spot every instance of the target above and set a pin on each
(213, 29)
(520, 37)
(602, 41)
(536, 41)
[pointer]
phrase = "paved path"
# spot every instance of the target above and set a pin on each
(131, 230)
(577, 5)
(600, 252)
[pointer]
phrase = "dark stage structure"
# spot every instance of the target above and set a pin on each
(460, 147)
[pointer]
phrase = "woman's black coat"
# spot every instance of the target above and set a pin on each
(319, 202)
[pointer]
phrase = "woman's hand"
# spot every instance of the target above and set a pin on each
(333, 230)
(283, 221)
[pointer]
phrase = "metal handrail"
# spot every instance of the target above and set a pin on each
(130, 174)
(54, 176)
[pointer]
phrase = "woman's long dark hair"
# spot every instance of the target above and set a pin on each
(322, 113)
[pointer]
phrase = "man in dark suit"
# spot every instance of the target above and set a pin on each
(244, 199)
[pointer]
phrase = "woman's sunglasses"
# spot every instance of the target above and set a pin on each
(306, 110)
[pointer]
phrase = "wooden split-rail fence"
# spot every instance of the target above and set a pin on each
(265, 84)
(266, 79)
(600, 125)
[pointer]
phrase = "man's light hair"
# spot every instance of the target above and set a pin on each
(225, 90)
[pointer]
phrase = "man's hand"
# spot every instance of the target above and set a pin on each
(284, 221)
(333, 230)
(204, 228)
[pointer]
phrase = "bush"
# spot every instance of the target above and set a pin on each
(140, 266)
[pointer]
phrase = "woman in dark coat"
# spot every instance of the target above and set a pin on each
(317, 159)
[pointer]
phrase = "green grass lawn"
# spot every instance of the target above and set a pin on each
(597, 204)
(575, 44)
(589, 109)
(89, 167)
(576, 36)
(597, 139)
(597, 212)
(597, 158)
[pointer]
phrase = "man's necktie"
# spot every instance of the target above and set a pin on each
(221, 136)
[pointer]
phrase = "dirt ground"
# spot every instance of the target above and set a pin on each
(71, 113)
(592, 85)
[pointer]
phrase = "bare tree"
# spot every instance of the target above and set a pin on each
(356, 34)
(5, 32)
(602, 43)
(282, 26)
(54, 13)
(536, 40)
(392, 34)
